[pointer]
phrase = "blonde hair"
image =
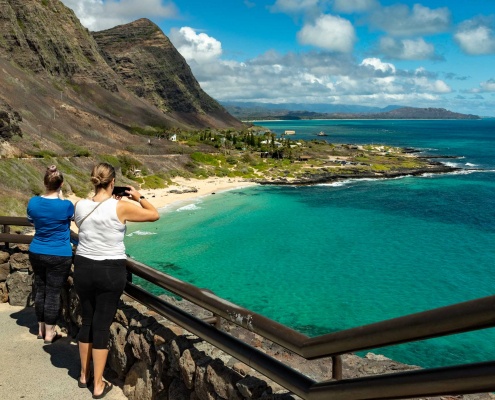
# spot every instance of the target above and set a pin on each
(53, 178)
(102, 175)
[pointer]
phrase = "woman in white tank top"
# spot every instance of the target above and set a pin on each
(99, 267)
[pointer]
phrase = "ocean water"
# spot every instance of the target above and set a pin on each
(329, 257)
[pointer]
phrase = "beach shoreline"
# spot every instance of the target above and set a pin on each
(184, 189)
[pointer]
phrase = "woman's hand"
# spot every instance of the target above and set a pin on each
(133, 193)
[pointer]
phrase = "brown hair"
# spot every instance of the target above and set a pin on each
(53, 178)
(102, 175)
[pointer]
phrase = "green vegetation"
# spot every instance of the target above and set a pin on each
(253, 154)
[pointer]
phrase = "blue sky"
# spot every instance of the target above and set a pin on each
(360, 52)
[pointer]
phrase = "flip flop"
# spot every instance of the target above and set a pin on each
(39, 337)
(54, 339)
(106, 389)
(86, 384)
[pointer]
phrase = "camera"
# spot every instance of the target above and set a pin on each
(120, 191)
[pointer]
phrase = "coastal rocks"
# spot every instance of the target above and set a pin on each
(4, 271)
(19, 285)
(20, 262)
(4, 294)
(184, 190)
(16, 278)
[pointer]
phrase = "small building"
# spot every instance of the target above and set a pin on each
(304, 158)
(173, 138)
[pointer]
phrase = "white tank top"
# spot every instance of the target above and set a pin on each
(101, 235)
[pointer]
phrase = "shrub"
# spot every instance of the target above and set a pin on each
(153, 182)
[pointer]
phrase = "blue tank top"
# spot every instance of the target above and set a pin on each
(51, 218)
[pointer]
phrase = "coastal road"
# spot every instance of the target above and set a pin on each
(31, 370)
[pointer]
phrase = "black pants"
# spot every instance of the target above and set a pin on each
(99, 285)
(50, 274)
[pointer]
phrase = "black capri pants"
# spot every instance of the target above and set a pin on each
(50, 274)
(99, 285)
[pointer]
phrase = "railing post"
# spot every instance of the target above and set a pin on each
(218, 321)
(337, 368)
(6, 229)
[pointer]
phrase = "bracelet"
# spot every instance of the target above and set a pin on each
(141, 198)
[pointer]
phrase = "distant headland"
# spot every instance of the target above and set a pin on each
(267, 113)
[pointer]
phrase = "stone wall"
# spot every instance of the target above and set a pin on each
(152, 358)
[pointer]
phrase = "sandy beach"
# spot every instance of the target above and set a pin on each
(187, 189)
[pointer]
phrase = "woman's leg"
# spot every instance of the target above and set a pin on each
(85, 353)
(83, 283)
(57, 272)
(40, 284)
(111, 282)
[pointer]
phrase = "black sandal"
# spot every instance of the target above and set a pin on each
(86, 384)
(106, 389)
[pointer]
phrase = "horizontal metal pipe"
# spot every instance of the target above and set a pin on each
(268, 366)
(457, 318)
(463, 317)
(249, 320)
(462, 379)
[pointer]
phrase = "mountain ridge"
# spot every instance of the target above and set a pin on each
(254, 111)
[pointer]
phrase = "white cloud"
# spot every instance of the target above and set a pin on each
(407, 49)
(399, 20)
(378, 65)
(194, 46)
(354, 6)
(485, 87)
(294, 6)
(476, 37)
(98, 14)
(330, 33)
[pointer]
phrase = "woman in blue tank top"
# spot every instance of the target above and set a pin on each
(50, 251)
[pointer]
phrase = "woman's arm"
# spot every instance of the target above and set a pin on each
(127, 211)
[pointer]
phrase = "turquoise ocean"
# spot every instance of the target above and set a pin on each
(329, 257)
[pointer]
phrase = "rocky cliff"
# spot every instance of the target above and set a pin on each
(56, 84)
(46, 37)
(150, 66)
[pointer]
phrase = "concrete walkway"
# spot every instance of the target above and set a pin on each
(31, 370)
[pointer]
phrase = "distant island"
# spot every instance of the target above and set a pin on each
(260, 113)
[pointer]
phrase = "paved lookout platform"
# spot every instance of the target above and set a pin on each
(31, 370)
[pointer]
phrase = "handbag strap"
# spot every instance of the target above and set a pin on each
(91, 212)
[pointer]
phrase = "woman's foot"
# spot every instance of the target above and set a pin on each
(51, 334)
(41, 330)
(103, 391)
(84, 381)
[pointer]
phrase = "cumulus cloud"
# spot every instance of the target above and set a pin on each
(295, 6)
(330, 33)
(476, 36)
(399, 20)
(407, 49)
(354, 6)
(485, 87)
(99, 14)
(194, 46)
(316, 77)
(377, 65)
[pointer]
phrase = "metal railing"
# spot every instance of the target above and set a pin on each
(462, 317)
